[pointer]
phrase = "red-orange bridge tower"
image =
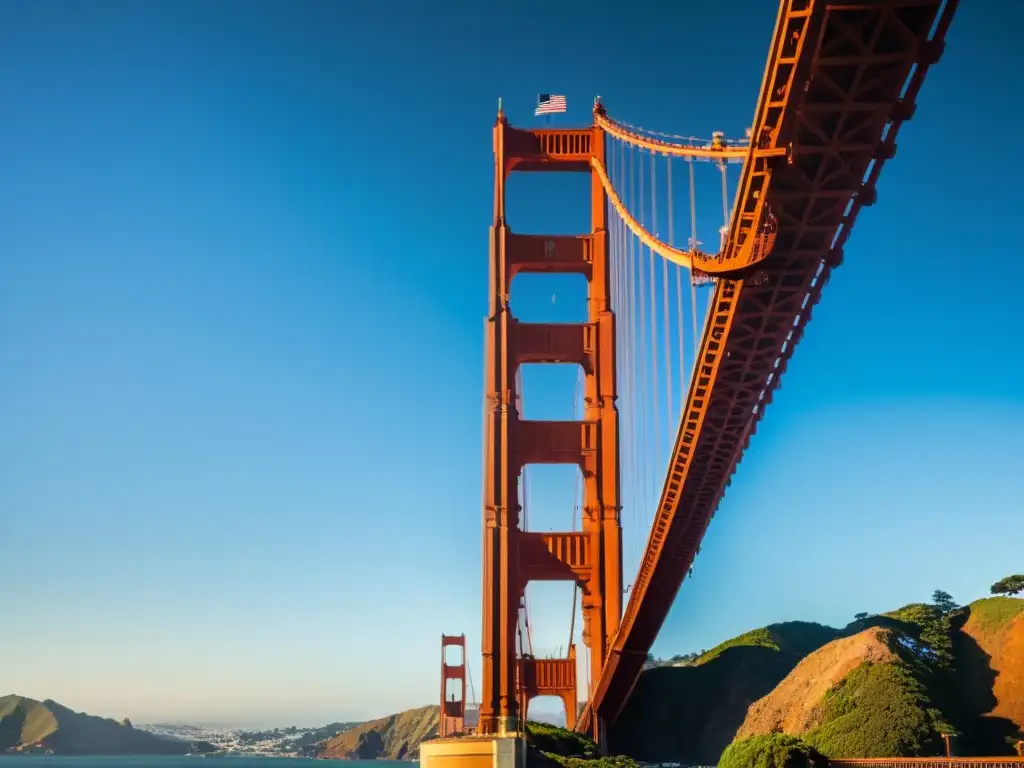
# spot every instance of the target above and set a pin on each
(591, 557)
(453, 703)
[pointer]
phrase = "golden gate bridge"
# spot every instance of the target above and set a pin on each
(841, 77)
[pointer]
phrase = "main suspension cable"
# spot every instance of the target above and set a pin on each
(472, 688)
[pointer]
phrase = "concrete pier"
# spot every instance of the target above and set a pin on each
(474, 752)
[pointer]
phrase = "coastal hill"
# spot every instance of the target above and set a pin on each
(395, 737)
(695, 710)
(885, 685)
(27, 725)
(895, 688)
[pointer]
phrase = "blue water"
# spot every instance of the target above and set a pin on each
(174, 761)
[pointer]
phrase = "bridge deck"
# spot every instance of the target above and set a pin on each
(863, 64)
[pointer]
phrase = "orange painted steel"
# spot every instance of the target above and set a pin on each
(512, 557)
(841, 78)
(709, 152)
(453, 711)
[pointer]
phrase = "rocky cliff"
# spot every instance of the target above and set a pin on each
(990, 671)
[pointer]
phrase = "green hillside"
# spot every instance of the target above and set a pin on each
(549, 746)
(27, 725)
(994, 614)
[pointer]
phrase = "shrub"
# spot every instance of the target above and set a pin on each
(771, 750)
(559, 741)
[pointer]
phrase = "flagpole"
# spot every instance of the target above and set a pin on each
(543, 100)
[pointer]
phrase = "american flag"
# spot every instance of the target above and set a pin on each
(548, 104)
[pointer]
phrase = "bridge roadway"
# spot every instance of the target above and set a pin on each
(863, 62)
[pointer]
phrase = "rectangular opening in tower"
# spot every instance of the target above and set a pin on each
(549, 298)
(551, 392)
(548, 203)
(453, 655)
(547, 709)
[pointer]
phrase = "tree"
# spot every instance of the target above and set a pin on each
(860, 616)
(943, 601)
(936, 630)
(1011, 585)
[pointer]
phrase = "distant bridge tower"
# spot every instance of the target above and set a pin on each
(511, 557)
(453, 710)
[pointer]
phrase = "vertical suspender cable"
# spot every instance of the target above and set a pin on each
(669, 400)
(575, 507)
(524, 502)
(629, 252)
(655, 389)
(679, 300)
(636, 322)
(693, 244)
(725, 207)
(725, 196)
(725, 222)
(622, 326)
(645, 426)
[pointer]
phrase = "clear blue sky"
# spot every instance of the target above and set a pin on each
(243, 259)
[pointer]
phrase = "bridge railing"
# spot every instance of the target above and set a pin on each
(930, 762)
